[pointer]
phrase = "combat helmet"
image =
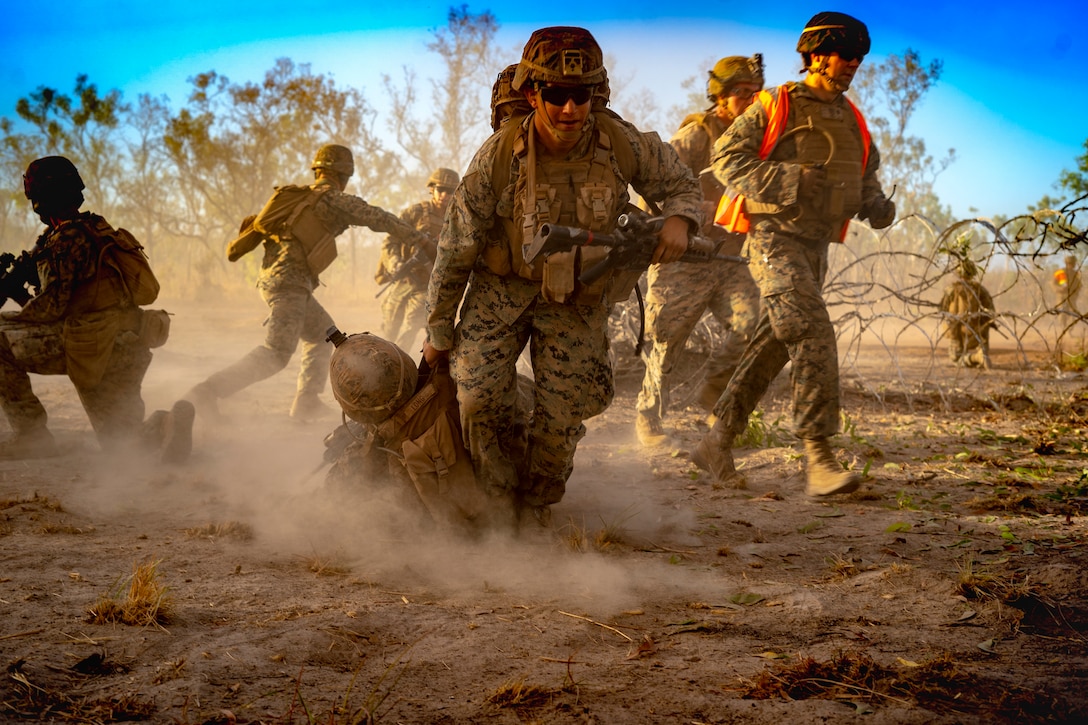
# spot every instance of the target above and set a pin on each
(566, 55)
(443, 177)
(335, 157)
(505, 101)
(831, 32)
(370, 377)
(733, 70)
(53, 179)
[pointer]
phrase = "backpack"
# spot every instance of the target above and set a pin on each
(290, 212)
(121, 252)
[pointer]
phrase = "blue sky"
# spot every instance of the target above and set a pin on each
(1011, 100)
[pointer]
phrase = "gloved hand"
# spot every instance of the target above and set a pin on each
(393, 267)
(881, 212)
(812, 184)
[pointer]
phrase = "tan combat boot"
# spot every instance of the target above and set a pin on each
(714, 453)
(178, 432)
(649, 430)
(825, 475)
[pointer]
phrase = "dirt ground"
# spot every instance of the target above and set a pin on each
(952, 588)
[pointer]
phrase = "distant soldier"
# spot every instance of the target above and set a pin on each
(406, 264)
(84, 320)
(298, 227)
(1066, 282)
(679, 294)
(969, 311)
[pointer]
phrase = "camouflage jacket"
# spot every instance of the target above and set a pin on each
(776, 180)
(284, 262)
(474, 215)
(67, 257)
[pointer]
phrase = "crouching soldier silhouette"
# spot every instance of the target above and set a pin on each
(82, 288)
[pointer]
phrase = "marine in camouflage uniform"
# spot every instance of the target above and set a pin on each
(508, 304)
(404, 308)
(969, 310)
(78, 295)
(799, 193)
(678, 294)
(1066, 284)
(287, 283)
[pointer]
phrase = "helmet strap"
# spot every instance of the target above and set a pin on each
(541, 111)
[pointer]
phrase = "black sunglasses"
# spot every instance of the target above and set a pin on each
(559, 95)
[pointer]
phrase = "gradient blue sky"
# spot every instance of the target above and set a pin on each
(1010, 101)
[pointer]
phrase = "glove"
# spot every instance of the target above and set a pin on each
(881, 213)
(812, 184)
(393, 268)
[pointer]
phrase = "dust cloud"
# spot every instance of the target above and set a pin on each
(267, 472)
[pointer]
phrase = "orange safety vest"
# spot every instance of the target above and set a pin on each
(1060, 278)
(731, 213)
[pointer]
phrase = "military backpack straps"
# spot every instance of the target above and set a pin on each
(120, 252)
(289, 214)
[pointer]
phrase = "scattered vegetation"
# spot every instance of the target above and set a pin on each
(145, 602)
(222, 530)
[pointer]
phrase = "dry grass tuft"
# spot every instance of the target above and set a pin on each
(327, 566)
(147, 601)
(574, 536)
(939, 685)
(1013, 501)
(842, 567)
(65, 529)
(223, 530)
(517, 694)
(980, 584)
(46, 503)
(27, 700)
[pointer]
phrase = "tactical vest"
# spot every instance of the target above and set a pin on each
(584, 193)
(827, 136)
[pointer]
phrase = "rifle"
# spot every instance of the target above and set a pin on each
(17, 276)
(631, 245)
(417, 260)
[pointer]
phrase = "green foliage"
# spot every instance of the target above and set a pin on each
(889, 93)
(761, 434)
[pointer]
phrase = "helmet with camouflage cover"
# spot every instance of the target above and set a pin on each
(442, 177)
(602, 94)
(505, 101)
(565, 55)
(732, 70)
(831, 32)
(335, 157)
(370, 377)
(53, 179)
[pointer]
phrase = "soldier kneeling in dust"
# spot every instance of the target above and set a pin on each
(402, 433)
(969, 310)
